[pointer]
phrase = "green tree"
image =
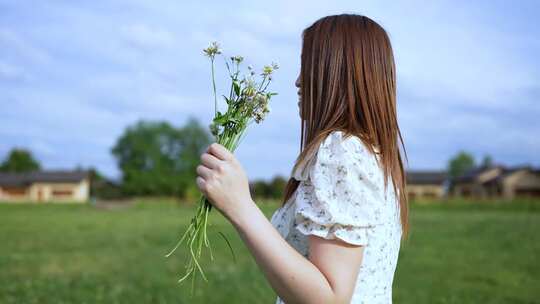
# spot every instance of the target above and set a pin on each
(273, 189)
(157, 159)
(19, 160)
(487, 161)
(260, 189)
(277, 187)
(103, 188)
(460, 164)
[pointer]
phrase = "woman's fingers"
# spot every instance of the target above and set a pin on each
(201, 184)
(220, 151)
(210, 161)
(204, 172)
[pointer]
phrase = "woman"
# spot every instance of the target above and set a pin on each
(337, 235)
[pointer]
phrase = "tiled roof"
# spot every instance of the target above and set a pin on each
(426, 177)
(471, 175)
(27, 178)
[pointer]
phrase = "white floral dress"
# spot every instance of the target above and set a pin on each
(341, 195)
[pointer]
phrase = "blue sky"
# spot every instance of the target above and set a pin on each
(74, 74)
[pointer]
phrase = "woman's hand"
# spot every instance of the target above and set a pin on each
(223, 181)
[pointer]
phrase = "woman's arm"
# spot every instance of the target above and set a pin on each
(328, 276)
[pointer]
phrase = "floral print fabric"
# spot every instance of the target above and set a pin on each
(341, 195)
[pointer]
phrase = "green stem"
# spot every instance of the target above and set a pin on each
(262, 82)
(214, 86)
(266, 86)
(196, 232)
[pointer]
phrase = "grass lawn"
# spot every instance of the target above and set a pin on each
(458, 253)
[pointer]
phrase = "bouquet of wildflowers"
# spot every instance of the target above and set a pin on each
(247, 102)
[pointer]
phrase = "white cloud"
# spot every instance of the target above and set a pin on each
(89, 74)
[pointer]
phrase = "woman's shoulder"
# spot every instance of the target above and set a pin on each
(336, 149)
(340, 197)
(347, 154)
(339, 144)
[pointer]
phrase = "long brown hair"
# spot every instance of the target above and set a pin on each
(348, 83)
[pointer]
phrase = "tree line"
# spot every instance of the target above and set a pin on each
(155, 158)
(159, 159)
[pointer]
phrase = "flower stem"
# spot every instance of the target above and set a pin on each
(214, 87)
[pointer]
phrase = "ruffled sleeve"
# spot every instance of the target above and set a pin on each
(339, 197)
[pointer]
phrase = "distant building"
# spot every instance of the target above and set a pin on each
(45, 186)
(498, 182)
(426, 184)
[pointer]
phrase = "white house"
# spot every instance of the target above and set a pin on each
(45, 186)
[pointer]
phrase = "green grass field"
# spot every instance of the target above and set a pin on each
(459, 253)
